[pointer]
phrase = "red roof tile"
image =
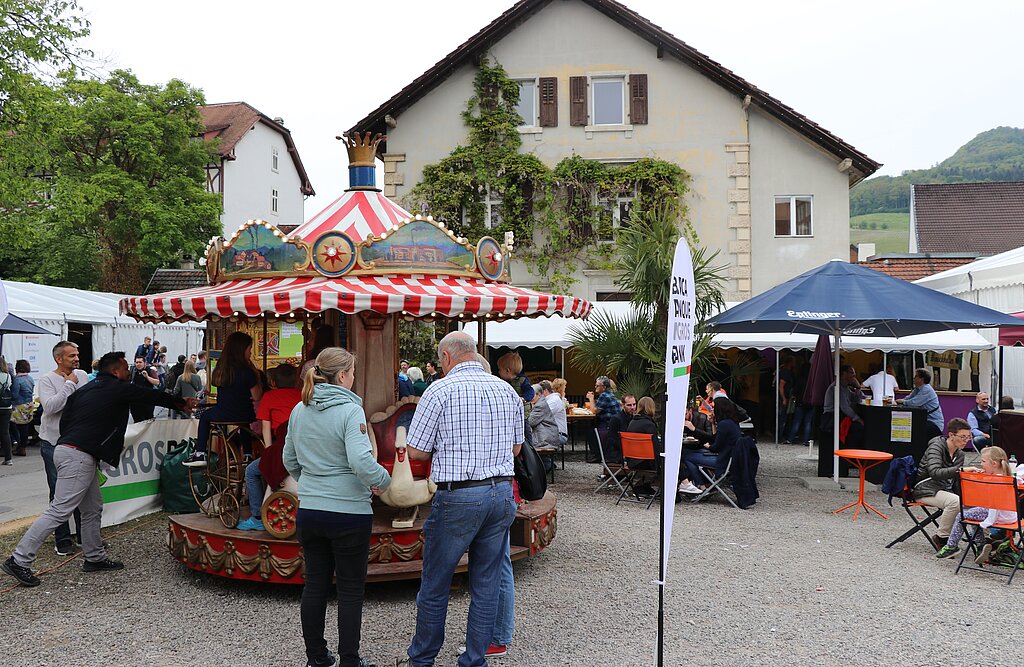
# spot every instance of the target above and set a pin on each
(913, 268)
(983, 218)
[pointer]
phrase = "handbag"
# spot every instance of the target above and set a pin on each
(530, 473)
(24, 413)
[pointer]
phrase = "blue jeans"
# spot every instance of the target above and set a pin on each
(700, 459)
(476, 519)
(504, 624)
(62, 535)
(254, 485)
(801, 425)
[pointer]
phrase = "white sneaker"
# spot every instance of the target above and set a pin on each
(688, 487)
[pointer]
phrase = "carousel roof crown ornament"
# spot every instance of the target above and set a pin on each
(362, 159)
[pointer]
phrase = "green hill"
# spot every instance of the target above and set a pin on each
(890, 232)
(995, 155)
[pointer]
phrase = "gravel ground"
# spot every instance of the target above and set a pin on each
(785, 583)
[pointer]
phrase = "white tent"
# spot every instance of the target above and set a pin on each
(996, 282)
(63, 310)
(550, 332)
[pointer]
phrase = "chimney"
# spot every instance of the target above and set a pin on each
(864, 251)
(187, 263)
(362, 165)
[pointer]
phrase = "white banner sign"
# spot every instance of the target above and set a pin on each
(681, 324)
(133, 489)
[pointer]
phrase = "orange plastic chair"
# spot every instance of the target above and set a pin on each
(997, 492)
(636, 448)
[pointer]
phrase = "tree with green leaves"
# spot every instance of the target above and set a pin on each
(118, 169)
(632, 347)
(38, 37)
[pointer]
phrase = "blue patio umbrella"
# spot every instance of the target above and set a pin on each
(12, 324)
(843, 299)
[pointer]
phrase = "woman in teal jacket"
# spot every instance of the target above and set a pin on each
(327, 451)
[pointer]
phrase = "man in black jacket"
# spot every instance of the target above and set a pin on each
(92, 429)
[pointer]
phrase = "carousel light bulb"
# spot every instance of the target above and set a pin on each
(202, 261)
(430, 218)
(497, 257)
(418, 217)
(441, 225)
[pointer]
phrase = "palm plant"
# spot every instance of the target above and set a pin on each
(632, 347)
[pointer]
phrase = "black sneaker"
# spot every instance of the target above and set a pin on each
(329, 661)
(22, 574)
(197, 460)
(65, 549)
(102, 565)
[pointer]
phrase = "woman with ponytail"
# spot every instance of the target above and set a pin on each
(328, 452)
(238, 386)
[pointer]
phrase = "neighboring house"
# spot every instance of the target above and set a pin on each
(769, 190)
(979, 218)
(911, 267)
(260, 174)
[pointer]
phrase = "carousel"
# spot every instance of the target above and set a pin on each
(358, 267)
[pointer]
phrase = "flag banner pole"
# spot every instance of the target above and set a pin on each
(678, 352)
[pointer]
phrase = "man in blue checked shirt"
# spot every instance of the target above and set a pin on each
(606, 407)
(470, 425)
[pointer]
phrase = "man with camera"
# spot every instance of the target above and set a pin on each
(146, 378)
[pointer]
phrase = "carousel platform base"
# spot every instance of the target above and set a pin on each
(203, 543)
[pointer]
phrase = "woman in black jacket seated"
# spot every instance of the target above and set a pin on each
(643, 422)
(715, 455)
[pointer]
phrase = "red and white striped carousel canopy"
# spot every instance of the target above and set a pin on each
(416, 296)
(358, 213)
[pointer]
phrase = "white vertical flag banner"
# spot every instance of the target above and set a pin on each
(681, 324)
(3, 303)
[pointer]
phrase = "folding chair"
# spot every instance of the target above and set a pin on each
(997, 492)
(611, 471)
(920, 524)
(715, 483)
(638, 447)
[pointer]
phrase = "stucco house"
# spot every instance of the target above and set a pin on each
(770, 188)
(259, 173)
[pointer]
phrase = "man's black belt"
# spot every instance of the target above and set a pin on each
(465, 484)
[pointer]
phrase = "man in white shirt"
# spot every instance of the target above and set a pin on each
(882, 384)
(54, 389)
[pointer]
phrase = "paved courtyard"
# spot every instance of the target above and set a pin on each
(785, 583)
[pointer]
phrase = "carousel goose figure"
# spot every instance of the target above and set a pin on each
(405, 491)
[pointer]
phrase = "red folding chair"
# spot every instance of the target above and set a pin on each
(640, 463)
(996, 492)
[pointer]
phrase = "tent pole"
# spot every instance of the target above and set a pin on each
(1000, 396)
(835, 410)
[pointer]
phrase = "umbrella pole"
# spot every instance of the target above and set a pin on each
(835, 411)
(778, 426)
(1000, 396)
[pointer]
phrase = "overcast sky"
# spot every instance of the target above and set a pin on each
(905, 81)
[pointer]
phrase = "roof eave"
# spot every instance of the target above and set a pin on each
(502, 25)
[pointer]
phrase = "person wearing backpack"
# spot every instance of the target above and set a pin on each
(6, 407)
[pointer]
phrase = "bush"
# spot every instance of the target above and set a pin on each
(885, 225)
(873, 225)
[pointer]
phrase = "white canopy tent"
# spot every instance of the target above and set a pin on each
(996, 282)
(59, 309)
(551, 332)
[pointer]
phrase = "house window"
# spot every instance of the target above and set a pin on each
(527, 107)
(609, 100)
(491, 201)
(273, 202)
(793, 216)
(614, 215)
(274, 160)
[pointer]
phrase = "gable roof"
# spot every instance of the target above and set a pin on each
(911, 267)
(230, 121)
(476, 45)
(169, 280)
(983, 218)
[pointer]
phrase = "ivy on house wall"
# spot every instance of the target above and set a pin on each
(561, 217)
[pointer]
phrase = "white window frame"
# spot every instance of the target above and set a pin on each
(792, 216)
(274, 197)
(491, 202)
(625, 125)
(275, 159)
(533, 127)
(616, 208)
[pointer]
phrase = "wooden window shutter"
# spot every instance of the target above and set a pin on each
(548, 101)
(578, 100)
(638, 99)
